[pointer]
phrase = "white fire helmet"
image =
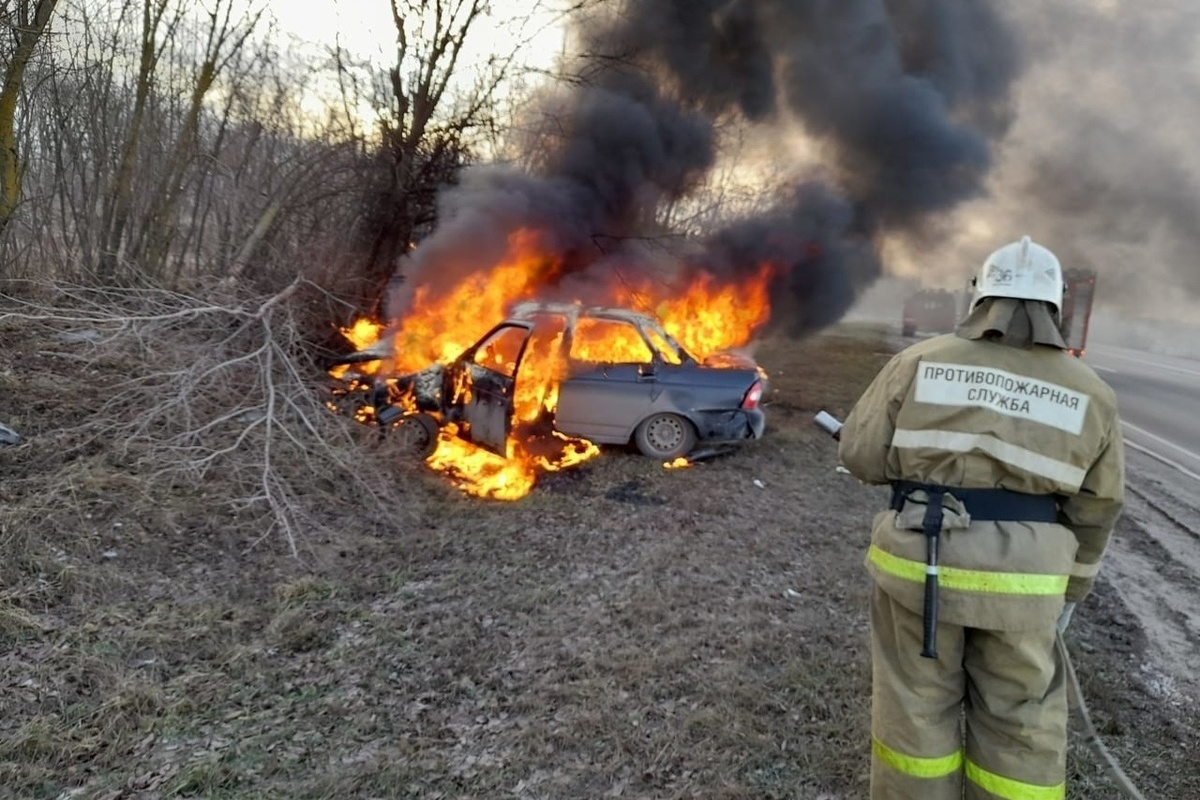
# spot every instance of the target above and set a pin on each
(1022, 270)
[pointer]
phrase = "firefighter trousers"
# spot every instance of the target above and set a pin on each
(986, 720)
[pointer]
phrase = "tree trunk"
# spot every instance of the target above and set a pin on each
(28, 35)
(119, 206)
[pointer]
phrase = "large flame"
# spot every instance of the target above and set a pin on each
(709, 317)
(362, 334)
(440, 324)
(704, 314)
(484, 474)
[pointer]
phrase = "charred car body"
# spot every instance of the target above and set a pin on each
(608, 375)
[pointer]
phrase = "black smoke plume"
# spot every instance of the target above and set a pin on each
(903, 99)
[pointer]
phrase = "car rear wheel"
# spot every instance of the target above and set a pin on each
(417, 434)
(665, 436)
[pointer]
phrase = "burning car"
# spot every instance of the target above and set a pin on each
(571, 372)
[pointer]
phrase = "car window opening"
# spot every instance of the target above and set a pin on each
(499, 353)
(608, 341)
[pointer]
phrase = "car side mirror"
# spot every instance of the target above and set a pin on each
(647, 370)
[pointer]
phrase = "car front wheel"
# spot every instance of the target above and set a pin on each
(417, 434)
(665, 436)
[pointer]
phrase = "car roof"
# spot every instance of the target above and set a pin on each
(576, 311)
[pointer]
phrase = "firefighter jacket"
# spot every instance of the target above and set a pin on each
(979, 413)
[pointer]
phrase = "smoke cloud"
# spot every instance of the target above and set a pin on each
(1100, 164)
(902, 100)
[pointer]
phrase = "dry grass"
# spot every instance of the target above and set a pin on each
(625, 631)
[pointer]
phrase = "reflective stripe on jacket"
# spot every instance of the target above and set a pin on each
(980, 414)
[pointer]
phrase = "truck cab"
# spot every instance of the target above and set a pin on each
(929, 311)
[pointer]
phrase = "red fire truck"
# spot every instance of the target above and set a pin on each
(930, 311)
(939, 311)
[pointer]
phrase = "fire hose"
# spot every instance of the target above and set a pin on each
(1091, 737)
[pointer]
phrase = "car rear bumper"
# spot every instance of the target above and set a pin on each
(731, 426)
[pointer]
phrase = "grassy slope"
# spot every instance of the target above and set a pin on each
(625, 631)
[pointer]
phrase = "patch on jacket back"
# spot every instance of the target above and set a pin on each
(1001, 391)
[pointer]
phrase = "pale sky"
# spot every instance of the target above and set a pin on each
(364, 27)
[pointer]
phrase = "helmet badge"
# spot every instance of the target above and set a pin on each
(999, 275)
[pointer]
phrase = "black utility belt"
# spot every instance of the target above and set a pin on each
(986, 504)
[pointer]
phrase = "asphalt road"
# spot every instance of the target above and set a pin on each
(1154, 557)
(1158, 399)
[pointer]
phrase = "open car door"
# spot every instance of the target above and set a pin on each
(481, 382)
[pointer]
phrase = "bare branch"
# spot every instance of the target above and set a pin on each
(219, 389)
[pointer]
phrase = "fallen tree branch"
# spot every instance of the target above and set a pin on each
(224, 396)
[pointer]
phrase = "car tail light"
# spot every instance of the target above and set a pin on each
(753, 395)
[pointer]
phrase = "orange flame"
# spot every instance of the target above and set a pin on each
(363, 333)
(708, 317)
(543, 367)
(705, 315)
(484, 474)
(479, 472)
(439, 325)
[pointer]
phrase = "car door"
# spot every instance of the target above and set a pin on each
(612, 381)
(481, 384)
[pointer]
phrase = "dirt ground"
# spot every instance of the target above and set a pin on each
(624, 631)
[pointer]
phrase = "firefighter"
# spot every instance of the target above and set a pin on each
(1005, 458)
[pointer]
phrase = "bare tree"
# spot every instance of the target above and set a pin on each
(170, 145)
(26, 21)
(224, 40)
(429, 115)
(120, 196)
(267, 164)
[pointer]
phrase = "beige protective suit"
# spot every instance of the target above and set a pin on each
(999, 404)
